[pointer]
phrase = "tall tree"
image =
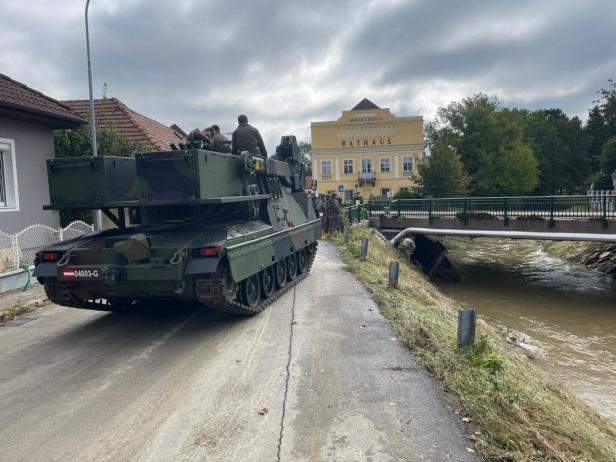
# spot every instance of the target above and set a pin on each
(490, 141)
(442, 174)
(601, 126)
(608, 158)
(561, 146)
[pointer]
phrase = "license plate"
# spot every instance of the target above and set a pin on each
(81, 274)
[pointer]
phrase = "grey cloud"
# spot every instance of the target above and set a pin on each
(288, 63)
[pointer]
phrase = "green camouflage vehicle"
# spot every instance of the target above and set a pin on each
(232, 232)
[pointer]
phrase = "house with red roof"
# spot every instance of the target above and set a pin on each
(111, 112)
(27, 120)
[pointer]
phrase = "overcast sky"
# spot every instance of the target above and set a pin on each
(286, 63)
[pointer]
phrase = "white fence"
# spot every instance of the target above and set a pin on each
(19, 249)
(597, 199)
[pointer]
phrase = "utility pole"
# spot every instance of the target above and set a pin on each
(97, 214)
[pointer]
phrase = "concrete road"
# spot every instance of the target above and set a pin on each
(314, 377)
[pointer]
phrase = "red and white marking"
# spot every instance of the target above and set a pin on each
(68, 274)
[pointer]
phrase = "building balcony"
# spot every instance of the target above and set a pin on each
(367, 177)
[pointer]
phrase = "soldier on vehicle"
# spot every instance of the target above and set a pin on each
(247, 138)
(209, 132)
(220, 143)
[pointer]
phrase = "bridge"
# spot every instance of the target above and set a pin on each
(577, 218)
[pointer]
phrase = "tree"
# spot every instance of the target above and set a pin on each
(305, 158)
(442, 174)
(77, 143)
(601, 127)
(608, 159)
(561, 147)
(490, 141)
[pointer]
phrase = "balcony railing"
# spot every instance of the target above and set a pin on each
(367, 177)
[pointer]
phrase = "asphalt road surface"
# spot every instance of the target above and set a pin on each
(317, 376)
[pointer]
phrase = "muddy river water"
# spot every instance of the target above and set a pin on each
(566, 312)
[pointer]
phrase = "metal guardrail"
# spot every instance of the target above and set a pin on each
(507, 208)
(355, 213)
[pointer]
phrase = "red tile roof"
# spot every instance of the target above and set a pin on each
(136, 127)
(19, 97)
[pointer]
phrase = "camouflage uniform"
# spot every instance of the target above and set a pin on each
(332, 213)
(320, 208)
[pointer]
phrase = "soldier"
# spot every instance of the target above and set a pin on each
(220, 143)
(333, 214)
(197, 139)
(321, 203)
(247, 138)
(209, 132)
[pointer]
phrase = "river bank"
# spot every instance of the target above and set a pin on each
(594, 255)
(520, 413)
(563, 311)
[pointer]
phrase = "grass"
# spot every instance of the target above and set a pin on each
(521, 414)
(576, 252)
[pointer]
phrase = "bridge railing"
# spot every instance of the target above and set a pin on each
(507, 208)
(355, 213)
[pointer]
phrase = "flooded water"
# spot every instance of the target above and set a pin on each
(567, 312)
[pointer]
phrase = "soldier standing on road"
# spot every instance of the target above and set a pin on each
(247, 138)
(333, 214)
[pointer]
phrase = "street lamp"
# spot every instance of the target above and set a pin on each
(97, 214)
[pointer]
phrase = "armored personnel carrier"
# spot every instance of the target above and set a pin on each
(232, 232)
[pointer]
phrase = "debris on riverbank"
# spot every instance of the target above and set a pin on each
(595, 255)
(520, 412)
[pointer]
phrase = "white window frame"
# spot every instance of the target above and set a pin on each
(369, 159)
(388, 194)
(325, 162)
(349, 195)
(344, 166)
(388, 159)
(11, 204)
(408, 172)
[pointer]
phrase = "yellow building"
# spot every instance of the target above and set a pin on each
(368, 151)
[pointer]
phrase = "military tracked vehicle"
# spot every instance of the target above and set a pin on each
(232, 232)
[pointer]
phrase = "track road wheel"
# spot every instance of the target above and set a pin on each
(281, 274)
(268, 282)
(302, 261)
(291, 267)
(251, 291)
